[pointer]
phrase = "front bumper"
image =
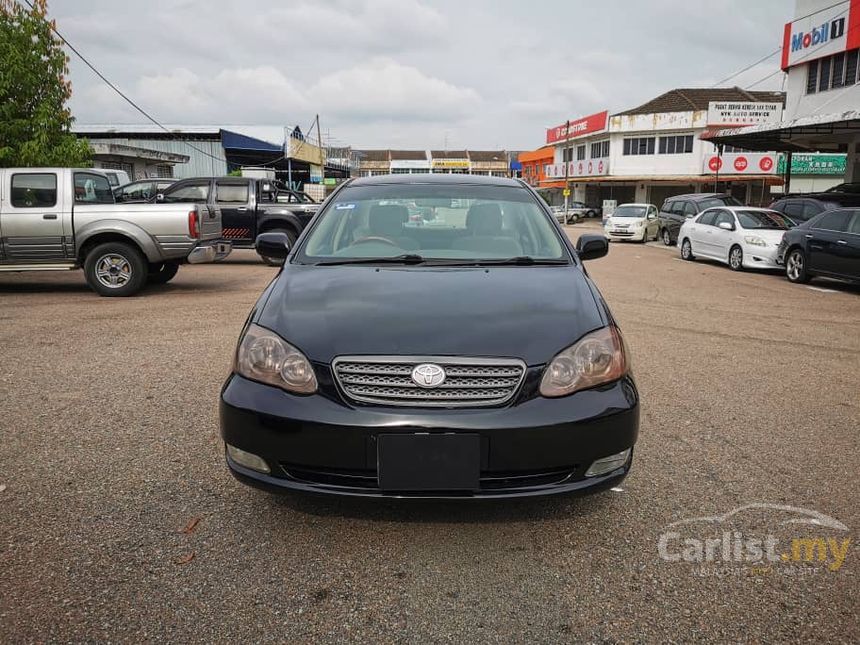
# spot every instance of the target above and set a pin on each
(537, 446)
(625, 234)
(209, 252)
(761, 257)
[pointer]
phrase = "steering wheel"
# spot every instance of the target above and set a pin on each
(375, 238)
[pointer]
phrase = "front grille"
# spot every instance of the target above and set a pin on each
(387, 380)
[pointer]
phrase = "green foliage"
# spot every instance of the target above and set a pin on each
(34, 120)
(237, 172)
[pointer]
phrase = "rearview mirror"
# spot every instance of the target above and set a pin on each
(159, 197)
(274, 244)
(591, 247)
(726, 226)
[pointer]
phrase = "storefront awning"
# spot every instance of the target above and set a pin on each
(821, 132)
(770, 180)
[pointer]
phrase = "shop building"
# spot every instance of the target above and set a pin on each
(476, 162)
(821, 59)
(534, 165)
(812, 172)
(654, 151)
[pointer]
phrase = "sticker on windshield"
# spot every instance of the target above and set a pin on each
(344, 207)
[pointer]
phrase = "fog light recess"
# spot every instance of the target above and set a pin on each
(608, 464)
(248, 459)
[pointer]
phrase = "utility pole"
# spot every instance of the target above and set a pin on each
(322, 153)
(566, 168)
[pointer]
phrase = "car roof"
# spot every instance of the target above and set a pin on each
(696, 196)
(850, 199)
(634, 204)
(438, 179)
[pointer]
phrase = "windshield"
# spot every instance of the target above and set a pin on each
(728, 200)
(763, 220)
(433, 221)
(629, 211)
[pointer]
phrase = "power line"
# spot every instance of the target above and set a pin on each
(118, 91)
(748, 67)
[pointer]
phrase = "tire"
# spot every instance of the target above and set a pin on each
(274, 262)
(687, 250)
(667, 238)
(162, 273)
(736, 258)
(591, 214)
(795, 266)
(115, 269)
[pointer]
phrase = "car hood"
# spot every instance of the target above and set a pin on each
(633, 221)
(529, 313)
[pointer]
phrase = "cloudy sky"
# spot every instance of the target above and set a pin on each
(409, 73)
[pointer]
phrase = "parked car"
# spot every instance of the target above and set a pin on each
(741, 236)
(802, 208)
(472, 361)
(827, 245)
(572, 217)
(676, 210)
(637, 222)
(248, 207)
(116, 178)
(142, 190)
(56, 219)
(852, 188)
(584, 210)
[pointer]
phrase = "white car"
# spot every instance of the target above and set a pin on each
(741, 236)
(632, 222)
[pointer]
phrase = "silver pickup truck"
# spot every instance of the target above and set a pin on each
(54, 219)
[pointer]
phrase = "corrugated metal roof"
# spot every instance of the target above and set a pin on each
(488, 155)
(697, 98)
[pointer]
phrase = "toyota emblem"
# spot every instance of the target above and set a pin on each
(428, 375)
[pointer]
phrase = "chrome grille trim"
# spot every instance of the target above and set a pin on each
(470, 382)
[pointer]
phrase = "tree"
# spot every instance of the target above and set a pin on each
(34, 120)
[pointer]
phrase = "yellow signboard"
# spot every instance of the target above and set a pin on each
(566, 192)
(450, 163)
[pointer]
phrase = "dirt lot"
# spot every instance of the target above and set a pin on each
(110, 448)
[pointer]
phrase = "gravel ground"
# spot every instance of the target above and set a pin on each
(119, 521)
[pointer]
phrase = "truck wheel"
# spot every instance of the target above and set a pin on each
(115, 269)
(275, 262)
(162, 272)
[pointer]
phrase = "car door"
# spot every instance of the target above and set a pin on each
(677, 217)
(36, 223)
(700, 231)
(651, 224)
(826, 242)
(852, 250)
(720, 239)
(237, 217)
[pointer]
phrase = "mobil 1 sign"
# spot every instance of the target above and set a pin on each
(739, 114)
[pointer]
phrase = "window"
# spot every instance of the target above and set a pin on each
(838, 79)
(824, 75)
(197, 191)
(567, 154)
(580, 153)
(164, 171)
(689, 209)
(812, 77)
(667, 206)
(810, 210)
(92, 189)
(724, 217)
(707, 218)
(851, 60)
(34, 190)
(678, 144)
(639, 146)
(793, 209)
(833, 222)
(600, 149)
(400, 171)
(137, 191)
(854, 226)
(231, 193)
(679, 207)
(832, 72)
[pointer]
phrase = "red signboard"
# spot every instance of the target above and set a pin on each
(578, 127)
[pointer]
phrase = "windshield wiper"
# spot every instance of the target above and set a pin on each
(519, 260)
(406, 258)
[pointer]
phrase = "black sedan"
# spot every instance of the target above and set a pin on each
(473, 358)
(827, 245)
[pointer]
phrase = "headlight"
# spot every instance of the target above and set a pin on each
(596, 358)
(755, 240)
(266, 357)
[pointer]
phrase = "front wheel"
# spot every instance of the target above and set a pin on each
(736, 258)
(667, 239)
(115, 269)
(795, 267)
(687, 250)
(162, 272)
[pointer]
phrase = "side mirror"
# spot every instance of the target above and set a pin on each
(159, 197)
(726, 226)
(591, 247)
(273, 244)
(652, 215)
(689, 215)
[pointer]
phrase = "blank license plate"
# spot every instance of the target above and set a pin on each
(429, 462)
